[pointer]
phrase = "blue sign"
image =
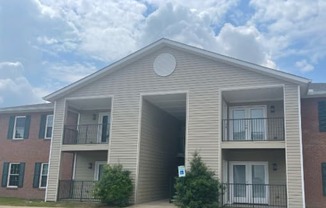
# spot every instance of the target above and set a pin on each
(181, 171)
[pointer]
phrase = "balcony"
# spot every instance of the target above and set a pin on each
(76, 190)
(253, 133)
(253, 129)
(254, 195)
(86, 137)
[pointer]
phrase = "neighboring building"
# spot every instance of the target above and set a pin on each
(153, 109)
(313, 111)
(25, 137)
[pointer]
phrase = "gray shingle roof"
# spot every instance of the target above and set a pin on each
(317, 89)
(41, 107)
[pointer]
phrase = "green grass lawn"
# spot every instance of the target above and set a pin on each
(37, 203)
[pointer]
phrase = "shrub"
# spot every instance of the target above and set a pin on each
(199, 188)
(114, 187)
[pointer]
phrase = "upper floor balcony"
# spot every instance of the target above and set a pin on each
(87, 124)
(253, 118)
(86, 134)
(254, 128)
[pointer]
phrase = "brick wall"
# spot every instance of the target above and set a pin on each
(29, 150)
(314, 151)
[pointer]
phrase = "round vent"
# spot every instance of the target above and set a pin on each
(164, 64)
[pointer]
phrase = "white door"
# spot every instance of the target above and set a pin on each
(248, 123)
(103, 128)
(249, 182)
(99, 168)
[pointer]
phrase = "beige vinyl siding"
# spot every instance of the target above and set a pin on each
(293, 146)
(90, 126)
(157, 153)
(203, 128)
(55, 152)
(86, 118)
(202, 78)
(83, 159)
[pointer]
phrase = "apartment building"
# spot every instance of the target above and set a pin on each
(25, 138)
(313, 111)
(152, 110)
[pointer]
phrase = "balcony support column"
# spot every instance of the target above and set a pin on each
(60, 112)
(293, 144)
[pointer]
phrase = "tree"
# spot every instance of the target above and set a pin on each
(199, 188)
(115, 186)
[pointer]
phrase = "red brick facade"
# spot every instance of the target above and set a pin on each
(29, 150)
(314, 153)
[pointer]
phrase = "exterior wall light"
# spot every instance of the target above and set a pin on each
(275, 167)
(272, 108)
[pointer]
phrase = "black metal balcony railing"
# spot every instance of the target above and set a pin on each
(253, 129)
(254, 195)
(86, 134)
(77, 190)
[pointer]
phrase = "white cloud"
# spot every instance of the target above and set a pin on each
(181, 24)
(304, 66)
(105, 30)
(246, 43)
(15, 89)
(67, 74)
(292, 28)
(56, 40)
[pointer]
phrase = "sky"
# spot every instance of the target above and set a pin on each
(48, 44)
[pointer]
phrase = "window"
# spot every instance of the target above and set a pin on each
(48, 127)
(323, 175)
(13, 175)
(322, 116)
(40, 175)
(44, 175)
(19, 129)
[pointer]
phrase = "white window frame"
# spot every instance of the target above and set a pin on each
(41, 175)
(9, 174)
(99, 131)
(14, 130)
(46, 127)
(97, 168)
(248, 165)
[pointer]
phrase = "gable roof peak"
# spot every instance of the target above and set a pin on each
(156, 45)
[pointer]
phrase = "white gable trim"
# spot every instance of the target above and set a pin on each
(179, 46)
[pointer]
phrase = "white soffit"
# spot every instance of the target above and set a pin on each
(253, 95)
(174, 104)
(90, 104)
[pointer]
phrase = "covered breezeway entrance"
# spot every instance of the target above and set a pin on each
(162, 145)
